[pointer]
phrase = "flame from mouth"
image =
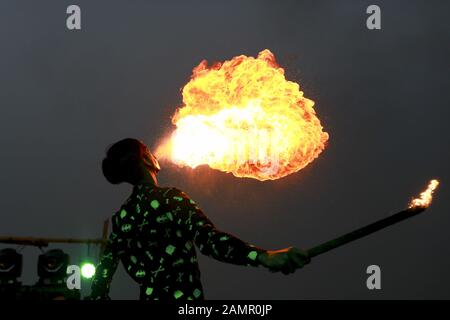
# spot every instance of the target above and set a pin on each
(242, 116)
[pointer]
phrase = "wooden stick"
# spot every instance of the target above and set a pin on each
(364, 231)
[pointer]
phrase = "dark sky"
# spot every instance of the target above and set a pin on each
(383, 96)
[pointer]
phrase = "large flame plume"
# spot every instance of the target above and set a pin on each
(425, 198)
(242, 116)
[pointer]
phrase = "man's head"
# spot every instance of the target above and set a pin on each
(129, 160)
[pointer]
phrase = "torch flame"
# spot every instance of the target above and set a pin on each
(425, 197)
(242, 116)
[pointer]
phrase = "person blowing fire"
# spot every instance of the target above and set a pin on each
(155, 230)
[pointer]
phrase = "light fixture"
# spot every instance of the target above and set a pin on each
(87, 270)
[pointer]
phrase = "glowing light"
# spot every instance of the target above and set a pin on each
(87, 270)
(425, 198)
(242, 116)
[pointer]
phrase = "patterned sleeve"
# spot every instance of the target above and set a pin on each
(106, 269)
(210, 241)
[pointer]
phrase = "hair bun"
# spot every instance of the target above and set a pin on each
(112, 170)
(122, 162)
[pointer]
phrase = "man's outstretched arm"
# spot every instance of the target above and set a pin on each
(225, 247)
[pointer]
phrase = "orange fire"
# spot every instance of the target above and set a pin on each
(425, 197)
(242, 116)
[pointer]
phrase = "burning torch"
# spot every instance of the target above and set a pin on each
(416, 206)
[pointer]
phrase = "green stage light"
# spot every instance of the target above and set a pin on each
(87, 270)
